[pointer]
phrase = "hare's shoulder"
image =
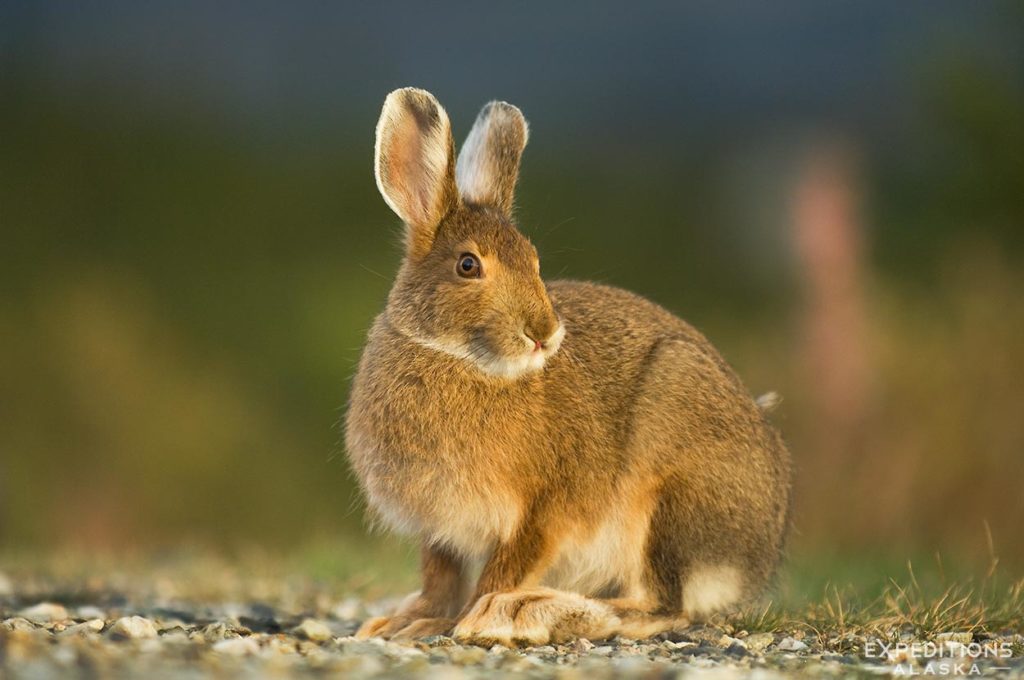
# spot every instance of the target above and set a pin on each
(595, 312)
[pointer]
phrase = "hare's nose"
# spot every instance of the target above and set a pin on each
(541, 333)
(537, 344)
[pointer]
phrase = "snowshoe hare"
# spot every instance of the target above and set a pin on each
(584, 453)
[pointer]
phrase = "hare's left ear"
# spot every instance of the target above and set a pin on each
(414, 161)
(488, 164)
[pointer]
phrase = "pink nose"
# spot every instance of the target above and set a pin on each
(537, 345)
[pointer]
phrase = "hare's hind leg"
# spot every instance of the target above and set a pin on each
(719, 513)
(537, 616)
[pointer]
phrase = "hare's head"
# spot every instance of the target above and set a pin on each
(470, 283)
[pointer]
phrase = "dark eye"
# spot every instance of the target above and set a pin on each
(468, 266)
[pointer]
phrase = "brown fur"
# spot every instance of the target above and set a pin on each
(628, 462)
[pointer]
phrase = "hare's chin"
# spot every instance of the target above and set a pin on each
(492, 364)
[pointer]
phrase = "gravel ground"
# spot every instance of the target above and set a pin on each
(88, 633)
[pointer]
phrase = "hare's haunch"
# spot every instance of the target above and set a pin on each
(591, 450)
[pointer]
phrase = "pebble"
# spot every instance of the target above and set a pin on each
(790, 644)
(962, 638)
(133, 627)
(359, 666)
(758, 642)
(19, 623)
(737, 650)
(45, 612)
(728, 641)
(90, 612)
(215, 632)
(313, 630)
(467, 656)
(240, 646)
(89, 627)
(582, 646)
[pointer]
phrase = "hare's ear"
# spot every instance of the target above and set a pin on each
(415, 163)
(488, 164)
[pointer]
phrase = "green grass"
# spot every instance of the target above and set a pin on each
(921, 605)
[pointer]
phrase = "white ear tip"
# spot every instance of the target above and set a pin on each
(511, 112)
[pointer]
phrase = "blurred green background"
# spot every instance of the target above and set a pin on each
(192, 248)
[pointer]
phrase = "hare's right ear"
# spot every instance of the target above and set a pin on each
(415, 163)
(488, 165)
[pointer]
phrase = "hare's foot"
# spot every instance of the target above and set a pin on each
(535, 616)
(403, 627)
(415, 617)
(421, 628)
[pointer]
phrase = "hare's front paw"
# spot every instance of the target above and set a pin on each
(416, 617)
(404, 627)
(421, 628)
(534, 616)
(378, 626)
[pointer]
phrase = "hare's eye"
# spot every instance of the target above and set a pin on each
(468, 266)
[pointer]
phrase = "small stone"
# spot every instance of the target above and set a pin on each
(603, 650)
(19, 623)
(165, 625)
(709, 635)
(313, 630)
(962, 638)
(468, 656)
(498, 649)
(675, 636)
(175, 636)
(215, 632)
(277, 646)
(758, 642)
(133, 627)
(90, 612)
(362, 666)
(736, 650)
(45, 612)
(727, 641)
(240, 646)
(705, 662)
(582, 646)
(790, 644)
(679, 645)
(438, 641)
(86, 628)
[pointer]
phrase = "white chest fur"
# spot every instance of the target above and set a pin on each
(442, 501)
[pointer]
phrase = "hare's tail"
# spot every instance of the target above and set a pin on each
(768, 401)
(537, 616)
